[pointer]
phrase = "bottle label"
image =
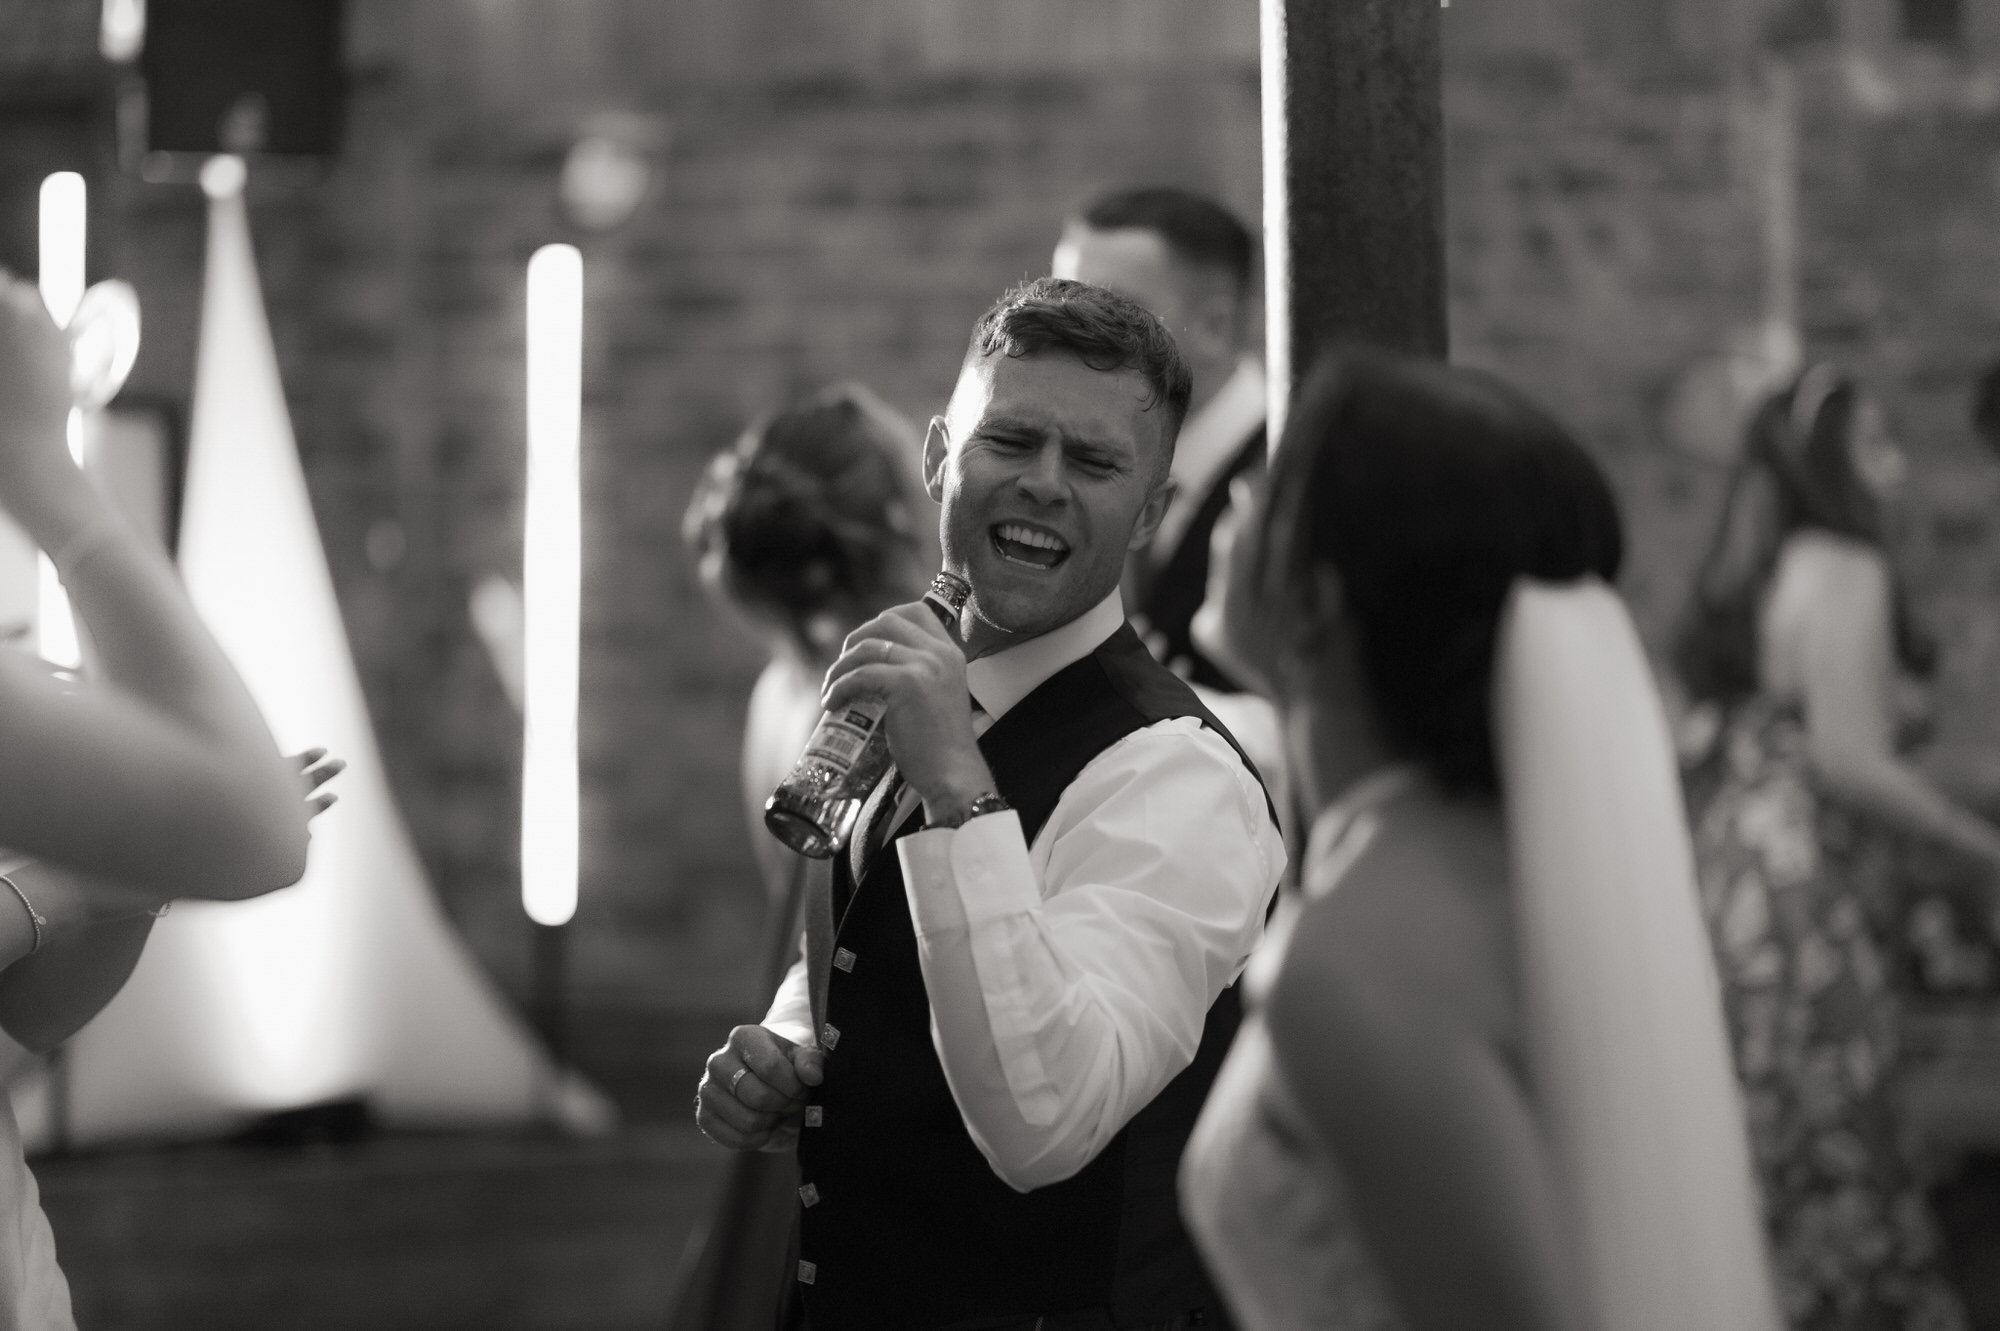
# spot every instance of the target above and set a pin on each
(842, 735)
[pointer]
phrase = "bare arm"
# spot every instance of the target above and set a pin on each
(1846, 674)
(93, 932)
(47, 997)
(1383, 1024)
(160, 771)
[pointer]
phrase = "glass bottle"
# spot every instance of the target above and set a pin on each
(813, 810)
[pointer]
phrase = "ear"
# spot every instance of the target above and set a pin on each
(937, 448)
(1152, 513)
(1311, 638)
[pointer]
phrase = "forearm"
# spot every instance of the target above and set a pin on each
(150, 643)
(1899, 794)
(1033, 1129)
(170, 750)
(48, 997)
(1055, 1022)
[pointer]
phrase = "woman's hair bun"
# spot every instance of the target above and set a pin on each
(809, 512)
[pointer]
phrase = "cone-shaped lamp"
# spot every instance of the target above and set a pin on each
(351, 983)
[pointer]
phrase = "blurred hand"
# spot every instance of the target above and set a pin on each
(753, 1092)
(34, 403)
(315, 770)
(1215, 629)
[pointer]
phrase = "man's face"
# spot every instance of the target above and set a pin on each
(1049, 472)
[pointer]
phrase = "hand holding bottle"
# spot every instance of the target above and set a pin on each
(813, 810)
(908, 660)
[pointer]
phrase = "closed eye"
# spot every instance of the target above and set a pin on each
(1096, 464)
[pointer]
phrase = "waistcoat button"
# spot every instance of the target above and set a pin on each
(808, 1272)
(843, 960)
(815, 1116)
(809, 1195)
(830, 1035)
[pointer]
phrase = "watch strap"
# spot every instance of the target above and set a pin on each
(991, 802)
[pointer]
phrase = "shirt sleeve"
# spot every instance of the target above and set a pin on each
(791, 1007)
(1069, 983)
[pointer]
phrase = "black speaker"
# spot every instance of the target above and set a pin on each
(243, 76)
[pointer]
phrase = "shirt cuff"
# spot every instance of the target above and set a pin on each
(968, 875)
(790, 1014)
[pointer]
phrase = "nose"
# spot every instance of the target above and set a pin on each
(1043, 479)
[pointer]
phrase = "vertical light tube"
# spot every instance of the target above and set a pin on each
(552, 578)
(64, 215)
(121, 29)
(62, 239)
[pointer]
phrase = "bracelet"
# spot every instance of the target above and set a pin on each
(34, 916)
(87, 540)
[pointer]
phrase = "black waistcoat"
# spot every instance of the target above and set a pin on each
(1172, 595)
(908, 1225)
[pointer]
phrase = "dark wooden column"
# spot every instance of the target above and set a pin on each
(1353, 180)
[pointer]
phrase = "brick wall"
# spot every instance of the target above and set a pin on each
(814, 217)
(840, 186)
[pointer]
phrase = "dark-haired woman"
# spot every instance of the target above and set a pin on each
(809, 525)
(1483, 1080)
(1799, 638)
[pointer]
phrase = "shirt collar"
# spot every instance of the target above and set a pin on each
(1004, 678)
(1208, 441)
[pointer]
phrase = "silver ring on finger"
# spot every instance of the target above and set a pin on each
(738, 1076)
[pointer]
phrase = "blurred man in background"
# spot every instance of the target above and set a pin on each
(1187, 259)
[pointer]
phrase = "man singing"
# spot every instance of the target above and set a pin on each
(995, 1047)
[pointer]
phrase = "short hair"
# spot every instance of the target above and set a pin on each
(812, 511)
(1101, 328)
(1986, 408)
(1429, 490)
(1197, 230)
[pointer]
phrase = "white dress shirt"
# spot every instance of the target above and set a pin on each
(1209, 441)
(1069, 980)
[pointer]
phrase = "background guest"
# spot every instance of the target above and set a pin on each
(1187, 259)
(810, 524)
(1800, 631)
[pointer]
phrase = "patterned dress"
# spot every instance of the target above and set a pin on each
(1799, 897)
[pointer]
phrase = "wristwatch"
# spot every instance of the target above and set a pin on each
(991, 802)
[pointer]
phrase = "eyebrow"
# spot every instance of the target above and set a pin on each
(1069, 437)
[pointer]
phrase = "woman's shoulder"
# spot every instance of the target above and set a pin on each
(1423, 915)
(1818, 557)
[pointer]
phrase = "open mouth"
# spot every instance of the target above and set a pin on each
(1019, 543)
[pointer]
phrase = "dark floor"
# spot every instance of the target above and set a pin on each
(1968, 1204)
(528, 1232)
(398, 1233)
